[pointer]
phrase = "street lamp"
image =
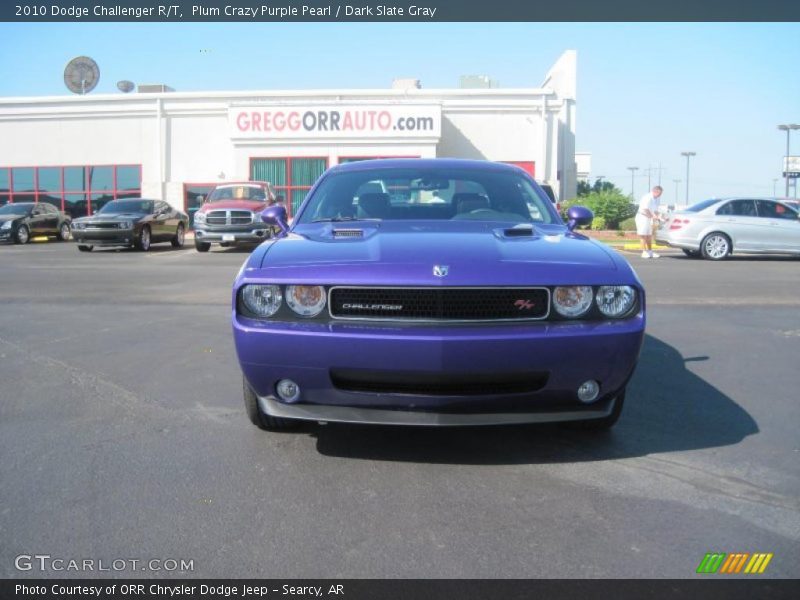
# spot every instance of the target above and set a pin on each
(633, 171)
(774, 187)
(676, 182)
(688, 155)
(788, 128)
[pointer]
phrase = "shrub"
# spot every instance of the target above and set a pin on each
(628, 224)
(610, 205)
(598, 223)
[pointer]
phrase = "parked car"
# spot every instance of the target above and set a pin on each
(717, 228)
(231, 215)
(132, 222)
(477, 310)
(21, 221)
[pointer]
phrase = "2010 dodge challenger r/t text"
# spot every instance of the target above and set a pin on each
(434, 292)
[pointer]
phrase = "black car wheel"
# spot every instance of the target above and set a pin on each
(84, 248)
(258, 417)
(202, 246)
(63, 232)
(23, 235)
(603, 423)
(180, 235)
(143, 243)
(691, 253)
(716, 246)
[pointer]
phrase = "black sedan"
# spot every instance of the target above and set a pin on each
(21, 221)
(136, 222)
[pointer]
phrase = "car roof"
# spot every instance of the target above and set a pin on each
(430, 163)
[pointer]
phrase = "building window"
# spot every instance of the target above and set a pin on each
(193, 196)
(291, 177)
(78, 191)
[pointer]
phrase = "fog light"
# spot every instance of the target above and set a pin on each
(288, 390)
(588, 391)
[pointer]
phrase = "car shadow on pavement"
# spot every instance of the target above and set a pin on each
(667, 409)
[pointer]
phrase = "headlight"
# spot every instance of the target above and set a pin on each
(306, 300)
(126, 224)
(6, 225)
(199, 217)
(615, 300)
(572, 301)
(78, 225)
(262, 300)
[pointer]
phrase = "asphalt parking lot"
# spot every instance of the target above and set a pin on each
(122, 436)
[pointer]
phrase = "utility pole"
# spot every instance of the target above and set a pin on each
(633, 171)
(677, 184)
(788, 128)
(688, 155)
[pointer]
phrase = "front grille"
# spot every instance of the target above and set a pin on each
(229, 217)
(437, 384)
(217, 217)
(104, 226)
(426, 304)
(240, 217)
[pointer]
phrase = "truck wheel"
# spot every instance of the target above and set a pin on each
(202, 246)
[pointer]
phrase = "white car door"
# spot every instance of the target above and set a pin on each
(739, 220)
(781, 226)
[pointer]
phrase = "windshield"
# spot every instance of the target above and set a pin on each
(702, 205)
(16, 209)
(426, 193)
(128, 206)
(238, 192)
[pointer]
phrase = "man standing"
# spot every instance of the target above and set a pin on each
(645, 217)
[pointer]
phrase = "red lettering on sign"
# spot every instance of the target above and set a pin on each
(293, 121)
(242, 122)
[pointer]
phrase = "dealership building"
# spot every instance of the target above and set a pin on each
(78, 152)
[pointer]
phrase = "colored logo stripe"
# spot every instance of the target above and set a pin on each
(735, 562)
(721, 562)
(758, 564)
(711, 562)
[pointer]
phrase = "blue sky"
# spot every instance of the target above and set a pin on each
(646, 91)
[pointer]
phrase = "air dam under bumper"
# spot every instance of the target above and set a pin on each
(307, 353)
(254, 236)
(104, 237)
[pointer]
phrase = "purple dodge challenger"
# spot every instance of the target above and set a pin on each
(434, 292)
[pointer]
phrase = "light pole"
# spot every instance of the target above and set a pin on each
(774, 187)
(688, 155)
(676, 182)
(788, 128)
(633, 171)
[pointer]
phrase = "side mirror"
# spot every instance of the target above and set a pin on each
(276, 215)
(201, 199)
(578, 216)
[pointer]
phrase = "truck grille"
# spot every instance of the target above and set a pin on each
(440, 304)
(229, 217)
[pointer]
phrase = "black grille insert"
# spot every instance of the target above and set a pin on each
(437, 384)
(456, 304)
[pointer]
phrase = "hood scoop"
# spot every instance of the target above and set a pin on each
(523, 230)
(348, 233)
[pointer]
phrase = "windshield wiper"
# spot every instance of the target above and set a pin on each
(340, 219)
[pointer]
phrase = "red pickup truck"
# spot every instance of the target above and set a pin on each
(231, 214)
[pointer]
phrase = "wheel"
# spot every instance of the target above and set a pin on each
(603, 423)
(715, 246)
(258, 417)
(201, 246)
(691, 253)
(143, 243)
(23, 235)
(83, 248)
(177, 241)
(63, 232)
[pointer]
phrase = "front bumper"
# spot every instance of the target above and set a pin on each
(569, 353)
(255, 235)
(104, 237)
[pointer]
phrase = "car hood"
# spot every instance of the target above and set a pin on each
(405, 253)
(233, 205)
(103, 217)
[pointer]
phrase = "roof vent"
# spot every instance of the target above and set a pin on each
(521, 230)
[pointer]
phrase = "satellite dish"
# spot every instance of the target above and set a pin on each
(81, 75)
(125, 86)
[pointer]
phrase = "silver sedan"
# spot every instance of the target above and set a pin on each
(716, 228)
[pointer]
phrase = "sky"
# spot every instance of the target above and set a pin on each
(646, 91)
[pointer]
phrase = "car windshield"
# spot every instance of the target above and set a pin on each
(128, 206)
(702, 205)
(238, 192)
(427, 193)
(16, 209)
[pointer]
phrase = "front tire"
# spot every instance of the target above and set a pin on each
(180, 234)
(84, 248)
(604, 423)
(258, 417)
(716, 246)
(143, 243)
(64, 232)
(202, 246)
(23, 235)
